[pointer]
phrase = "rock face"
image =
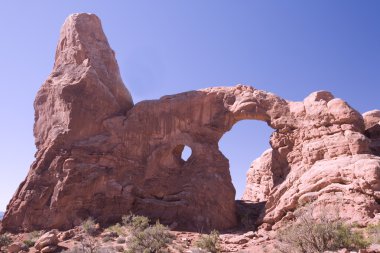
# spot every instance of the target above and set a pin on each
(321, 157)
(101, 156)
(372, 129)
(265, 172)
(83, 90)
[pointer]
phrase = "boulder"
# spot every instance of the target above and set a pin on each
(15, 247)
(49, 249)
(47, 241)
(240, 239)
(66, 235)
(373, 248)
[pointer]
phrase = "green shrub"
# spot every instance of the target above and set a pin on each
(90, 227)
(5, 240)
(32, 238)
(117, 228)
(29, 243)
(350, 238)
(152, 239)
(209, 242)
(310, 235)
(136, 222)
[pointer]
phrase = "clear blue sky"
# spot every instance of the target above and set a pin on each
(163, 47)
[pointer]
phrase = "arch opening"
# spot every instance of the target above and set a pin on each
(183, 152)
(245, 142)
(186, 153)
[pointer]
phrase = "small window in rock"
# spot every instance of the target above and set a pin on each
(186, 153)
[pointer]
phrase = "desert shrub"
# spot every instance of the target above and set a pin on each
(373, 232)
(152, 239)
(5, 240)
(29, 243)
(107, 239)
(120, 240)
(351, 238)
(135, 222)
(32, 238)
(319, 235)
(90, 244)
(117, 228)
(77, 249)
(90, 227)
(209, 242)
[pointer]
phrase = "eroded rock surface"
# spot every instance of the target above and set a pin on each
(83, 90)
(330, 163)
(372, 129)
(101, 156)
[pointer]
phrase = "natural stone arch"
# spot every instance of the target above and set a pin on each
(121, 156)
(198, 119)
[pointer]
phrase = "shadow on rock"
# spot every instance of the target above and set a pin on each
(249, 214)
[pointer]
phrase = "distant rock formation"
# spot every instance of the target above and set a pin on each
(1, 215)
(101, 156)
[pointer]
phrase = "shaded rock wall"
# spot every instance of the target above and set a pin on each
(372, 130)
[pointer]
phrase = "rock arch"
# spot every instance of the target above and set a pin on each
(101, 156)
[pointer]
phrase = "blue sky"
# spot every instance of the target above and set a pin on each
(290, 48)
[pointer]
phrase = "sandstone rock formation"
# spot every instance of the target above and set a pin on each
(372, 129)
(101, 156)
(264, 173)
(83, 90)
(330, 163)
(47, 242)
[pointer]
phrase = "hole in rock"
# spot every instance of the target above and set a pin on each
(186, 153)
(245, 142)
(183, 152)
